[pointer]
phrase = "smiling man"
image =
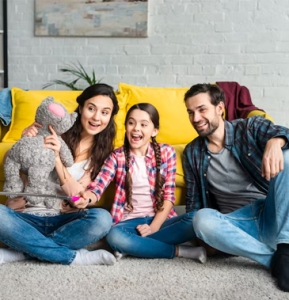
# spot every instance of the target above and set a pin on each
(237, 176)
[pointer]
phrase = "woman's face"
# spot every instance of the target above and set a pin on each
(96, 114)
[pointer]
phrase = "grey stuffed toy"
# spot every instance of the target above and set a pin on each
(31, 157)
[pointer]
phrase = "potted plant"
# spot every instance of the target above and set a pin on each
(76, 70)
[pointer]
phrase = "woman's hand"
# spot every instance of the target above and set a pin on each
(86, 198)
(31, 130)
(52, 142)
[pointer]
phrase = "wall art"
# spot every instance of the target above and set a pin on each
(104, 18)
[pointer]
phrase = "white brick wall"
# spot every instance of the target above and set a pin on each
(189, 41)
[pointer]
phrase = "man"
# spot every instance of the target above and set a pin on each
(237, 176)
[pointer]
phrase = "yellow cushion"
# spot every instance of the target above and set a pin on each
(119, 120)
(25, 103)
(260, 113)
(180, 176)
(170, 104)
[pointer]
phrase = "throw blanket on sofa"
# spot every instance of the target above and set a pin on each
(238, 100)
(5, 106)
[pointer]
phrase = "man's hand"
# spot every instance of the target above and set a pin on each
(273, 162)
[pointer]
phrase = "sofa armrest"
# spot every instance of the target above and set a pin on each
(3, 130)
(259, 113)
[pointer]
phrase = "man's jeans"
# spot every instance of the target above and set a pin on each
(254, 230)
(124, 238)
(56, 238)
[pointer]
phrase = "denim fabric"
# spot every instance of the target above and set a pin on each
(254, 230)
(5, 106)
(53, 239)
(124, 238)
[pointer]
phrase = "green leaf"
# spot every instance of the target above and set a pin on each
(76, 70)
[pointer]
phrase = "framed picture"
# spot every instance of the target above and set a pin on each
(103, 18)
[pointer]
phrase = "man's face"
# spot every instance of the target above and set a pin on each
(204, 116)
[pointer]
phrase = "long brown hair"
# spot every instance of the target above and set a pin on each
(160, 180)
(103, 143)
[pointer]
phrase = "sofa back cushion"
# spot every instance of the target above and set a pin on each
(25, 103)
(175, 127)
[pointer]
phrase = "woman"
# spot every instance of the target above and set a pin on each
(59, 234)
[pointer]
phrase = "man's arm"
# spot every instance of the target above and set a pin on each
(193, 197)
(272, 162)
(272, 139)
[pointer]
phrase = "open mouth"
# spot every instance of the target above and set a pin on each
(136, 137)
(94, 125)
(200, 125)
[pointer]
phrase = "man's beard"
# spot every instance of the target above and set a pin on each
(212, 127)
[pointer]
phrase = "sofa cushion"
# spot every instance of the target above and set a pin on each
(180, 178)
(170, 105)
(119, 120)
(25, 103)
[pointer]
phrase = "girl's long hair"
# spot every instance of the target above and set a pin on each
(103, 143)
(160, 180)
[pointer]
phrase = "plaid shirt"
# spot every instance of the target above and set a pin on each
(114, 169)
(246, 139)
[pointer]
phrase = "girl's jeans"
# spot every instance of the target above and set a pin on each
(124, 238)
(56, 238)
(254, 230)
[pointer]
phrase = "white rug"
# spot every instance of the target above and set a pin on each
(144, 279)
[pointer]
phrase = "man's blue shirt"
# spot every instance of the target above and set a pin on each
(246, 139)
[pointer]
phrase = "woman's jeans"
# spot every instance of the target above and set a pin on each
(53, 239)
(254, 230)
(124, 238)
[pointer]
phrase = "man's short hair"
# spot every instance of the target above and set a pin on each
(215, 92)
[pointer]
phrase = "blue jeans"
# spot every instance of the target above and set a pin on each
(124, 238)
(254, 230)
(53, 239)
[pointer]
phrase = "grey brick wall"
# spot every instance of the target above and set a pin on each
(189, 41)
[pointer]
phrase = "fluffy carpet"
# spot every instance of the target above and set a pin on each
(143, 279)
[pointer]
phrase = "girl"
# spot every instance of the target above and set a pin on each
(145, 223)
(57, 234)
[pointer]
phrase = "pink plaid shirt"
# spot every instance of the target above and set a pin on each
(114, 169)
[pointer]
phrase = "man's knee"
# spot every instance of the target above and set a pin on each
(286, 157)
(203, 220)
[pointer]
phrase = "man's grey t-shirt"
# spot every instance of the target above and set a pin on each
(230, 184)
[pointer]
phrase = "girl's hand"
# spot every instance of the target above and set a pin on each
(144, 230)
(81, 203)
(31, 130)
(52, 142)
(86, 198)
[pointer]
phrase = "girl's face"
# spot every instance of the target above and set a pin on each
(139, 130)
(95, 114)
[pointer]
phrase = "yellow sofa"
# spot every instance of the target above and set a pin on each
(175, 128)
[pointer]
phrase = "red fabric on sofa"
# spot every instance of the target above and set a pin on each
(238, 100)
